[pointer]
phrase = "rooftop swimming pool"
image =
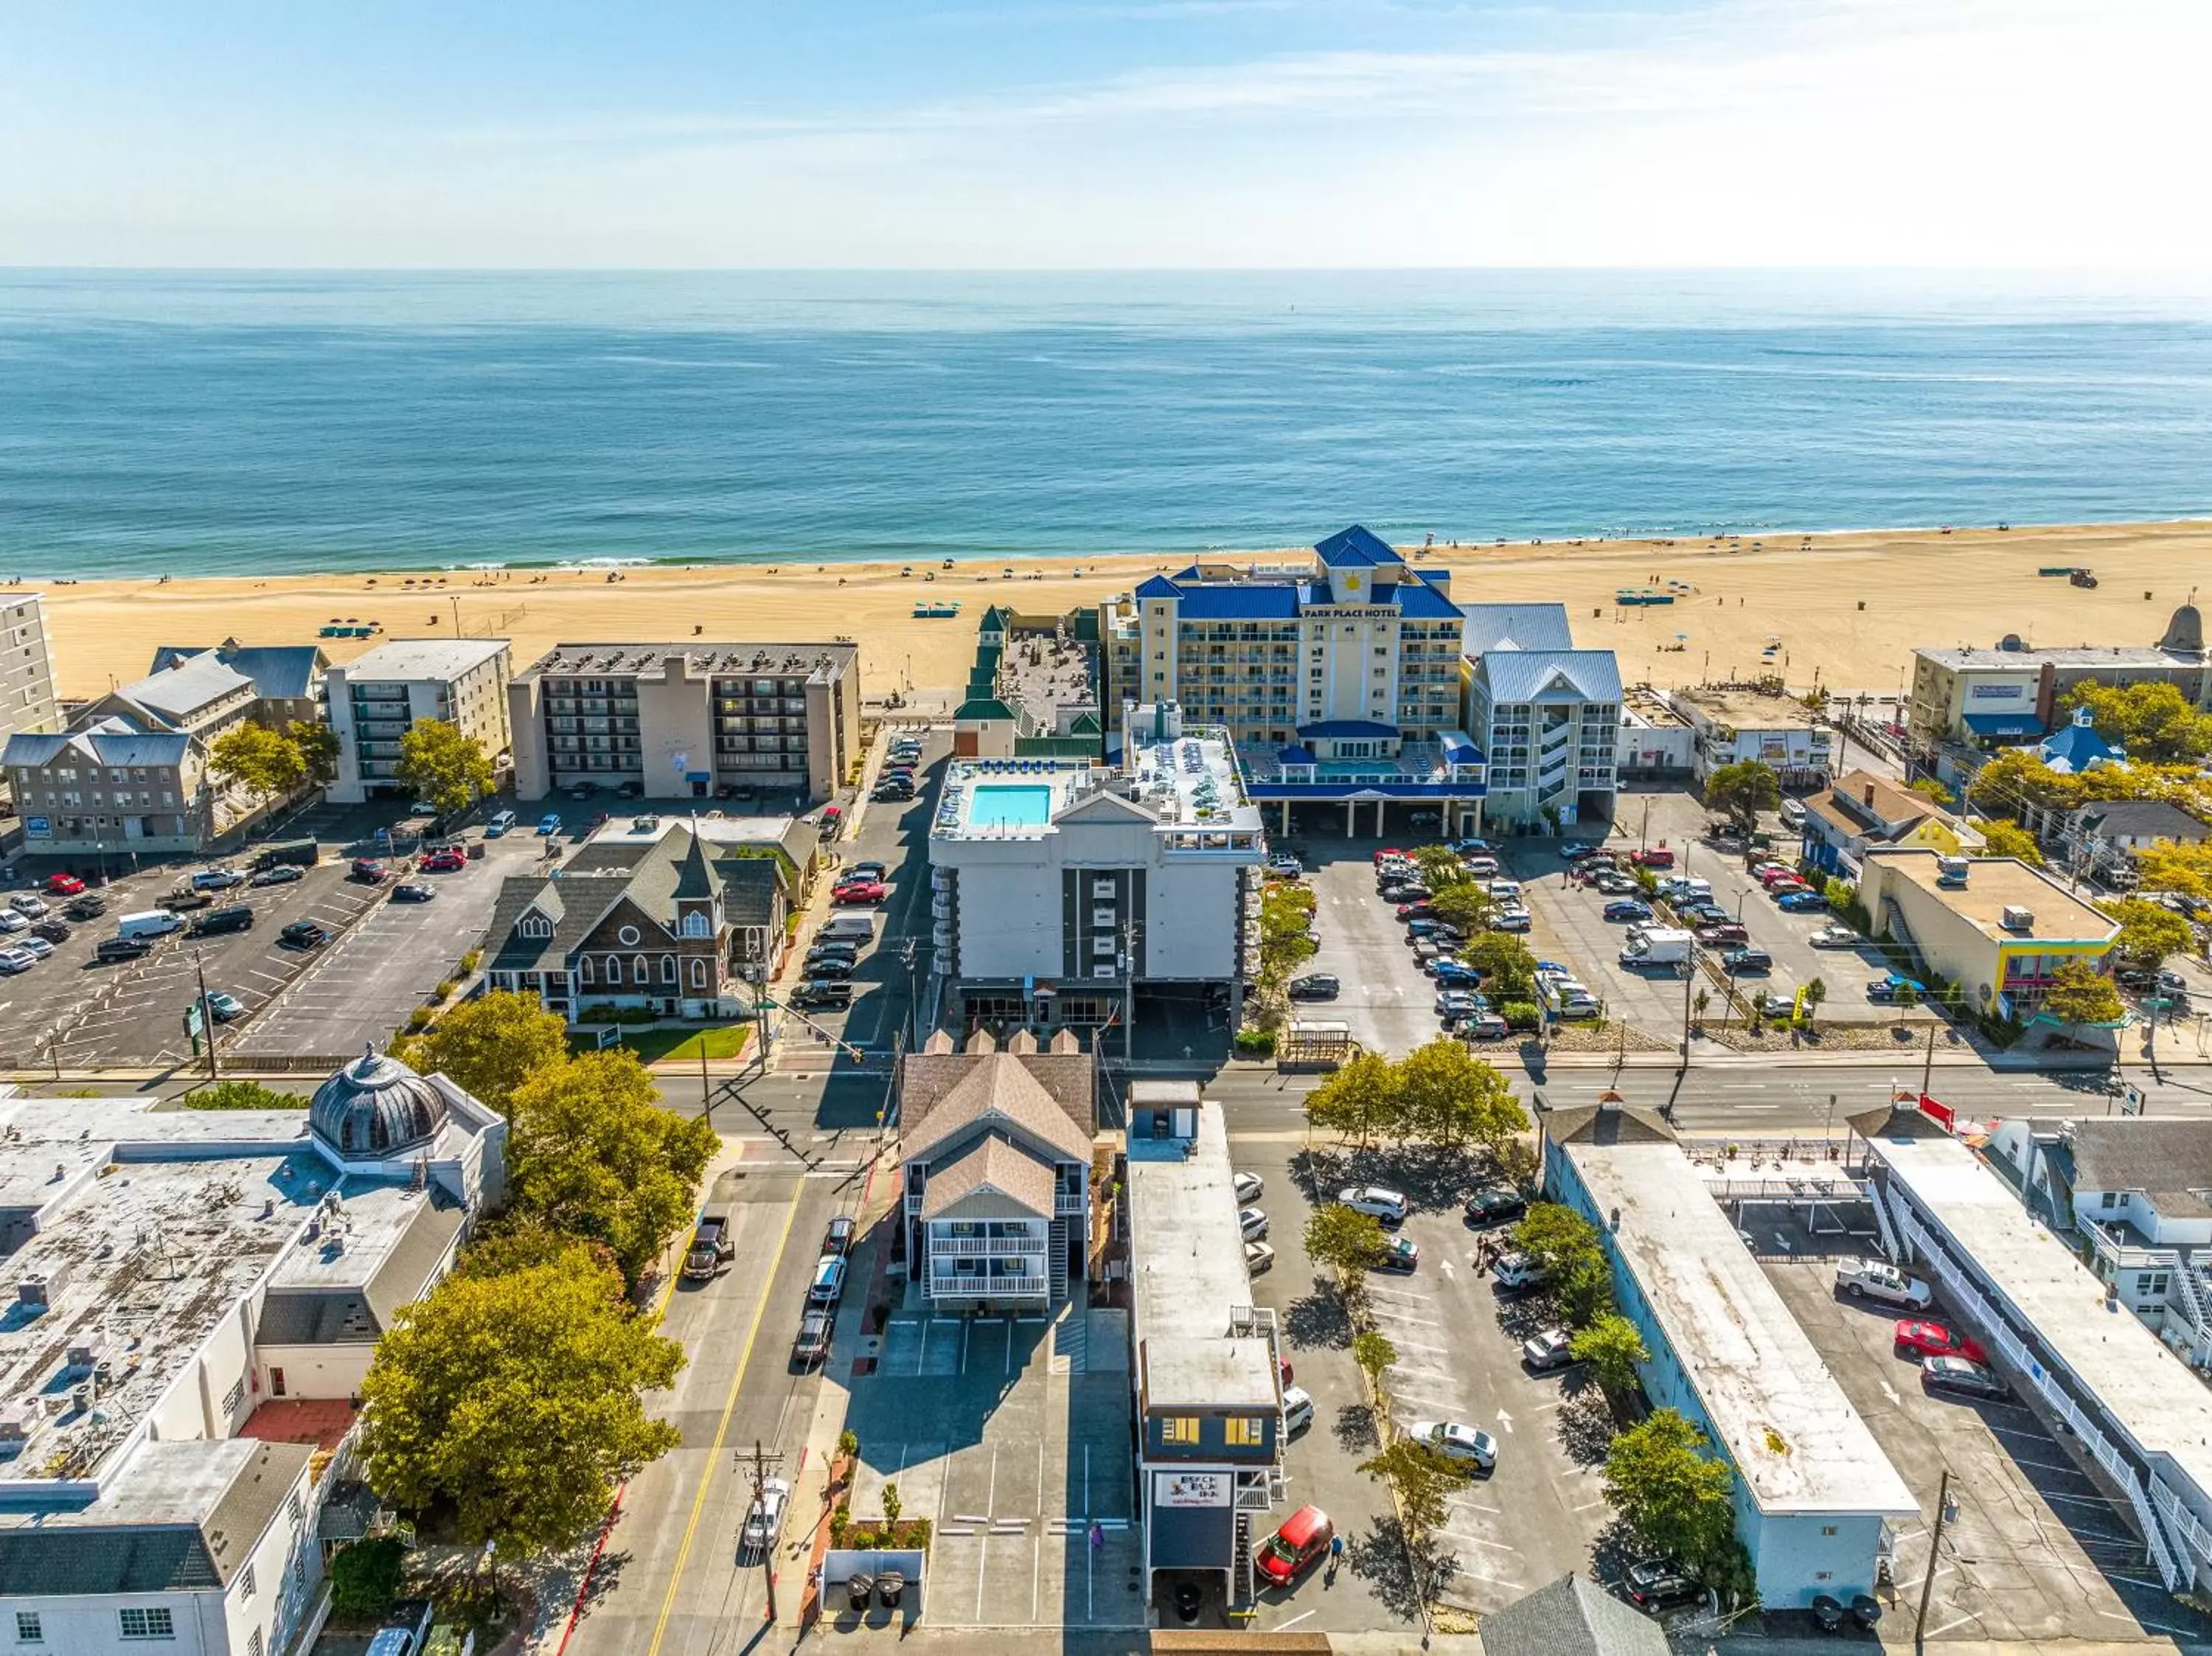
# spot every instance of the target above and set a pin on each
(1009, 805)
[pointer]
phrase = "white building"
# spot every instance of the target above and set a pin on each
(1729, 725)
(377, 698)
(1061, 890)
(996, 1148)
(194, 1298)
(1546, 715)
(27, 669)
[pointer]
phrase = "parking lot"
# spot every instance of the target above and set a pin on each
(1537, 1517)
(2036, 1550)
(1011, 1436)
(362, 986)
(1386, 999)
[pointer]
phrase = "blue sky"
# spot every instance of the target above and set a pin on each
(1105, 133)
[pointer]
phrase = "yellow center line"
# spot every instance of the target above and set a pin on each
(722, 1426)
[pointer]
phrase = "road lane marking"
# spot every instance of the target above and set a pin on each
(721, 1426)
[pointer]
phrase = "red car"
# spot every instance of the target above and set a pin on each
(444, 862)
(1923, 1338)
(1656, 856)
(861, 891)
(64, 885)
(1420, 911)
(1775, 877)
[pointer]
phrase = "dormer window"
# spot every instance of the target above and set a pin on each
(535, 924)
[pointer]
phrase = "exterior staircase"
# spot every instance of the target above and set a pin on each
(1058, 1274)
(1244, 1588)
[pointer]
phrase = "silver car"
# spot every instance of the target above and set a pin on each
(764, 1518)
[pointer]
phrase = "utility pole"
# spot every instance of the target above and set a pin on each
(1928, 1063)
(1934, 1547)
(761, 1465)
(1689, 982)
(706, 1086)
(207, 1018)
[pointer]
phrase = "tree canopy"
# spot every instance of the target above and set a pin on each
(2079, 993)
(1508, 968)
(1357, 1102)
(489, 1045)
(261, 760)
(448, 770)
(2154, 722)
(1423, 1478)
(1344, 1240)
(1285, 940)
(1673, 1498)
(1613, 1348)
(1740, 791)
(1565, 1245)
(2170, 865)
(1464, 905)
(593, 1154)
(2149, 932)
(515, 1399)
(2002, 837)
(318, 748)
(1438, 1093)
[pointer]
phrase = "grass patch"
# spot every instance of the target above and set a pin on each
(675, 1041)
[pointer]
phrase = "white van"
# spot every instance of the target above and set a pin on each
(153, 923)
(861, 928)
(1298, 1410)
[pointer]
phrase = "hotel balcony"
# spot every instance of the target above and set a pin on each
(976, 1248)
(989, 1288)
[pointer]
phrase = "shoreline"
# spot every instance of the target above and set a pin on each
(1849, 604)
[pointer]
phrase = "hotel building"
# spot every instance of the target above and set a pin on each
(376, 699)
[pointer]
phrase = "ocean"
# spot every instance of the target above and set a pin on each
(245, 423)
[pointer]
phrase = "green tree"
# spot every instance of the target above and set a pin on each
(1286, 941)
(1466, 906)
(593, 1154)
(1441, 868)
(1672, 1497)
(1346, 1241)
(489, 1045)
(2153, 722)
(1700, 1004)
(1359, 1102)
(365, 1577)
(892, 1505)
(2002, 837)
(1448, 1096)
(1423, 1480)
(1816, 991)
(2079, 994)
(446, 769)
(508, 1248)
(1613, 1348)
(2149, 932)
(1929, 789)
(1566, 1246)
(1740, 791)
(2017, 781)
(256, 758)
(513, 1402)
(241, 1095)
(2170, 865)
(319, 749)
(1508, 970)
(1372, 1353)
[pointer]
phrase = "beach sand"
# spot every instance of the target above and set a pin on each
(1853, 606)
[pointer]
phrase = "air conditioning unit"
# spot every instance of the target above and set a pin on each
(1105, 890)
(1102, 972)
(2014, 917)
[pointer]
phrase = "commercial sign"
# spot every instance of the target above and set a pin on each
(38, 827)
(1998, 692)
(1190, 1488)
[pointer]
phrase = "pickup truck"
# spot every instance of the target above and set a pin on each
(711, 1253)
(180, 897)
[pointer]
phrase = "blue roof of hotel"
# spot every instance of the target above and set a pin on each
(1159, 586)
(1521, 675)
(1417, 601)
(1329, 727)
(1530, 626)
(1354, 548)
(1239, 603)
(1453, 741)
(1294, 755)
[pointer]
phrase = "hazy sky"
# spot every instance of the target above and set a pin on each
(1096, 133)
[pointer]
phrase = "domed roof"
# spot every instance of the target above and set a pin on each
(374, 1108)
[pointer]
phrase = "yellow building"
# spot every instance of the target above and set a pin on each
(1996, 927)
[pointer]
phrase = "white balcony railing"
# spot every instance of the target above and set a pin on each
(1068, 1202)
(980, 1247)
(987, 1288)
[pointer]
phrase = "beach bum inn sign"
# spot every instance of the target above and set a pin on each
(1190, 1488)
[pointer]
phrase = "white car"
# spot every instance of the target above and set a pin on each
(1458, 1441)
(1504, 890)
(13, 961)
(765, 1519)
(38, 946)
(1387, 1205)
(1253, 1221)
(1251, 1187)
(1298, 1409)
(1835, 936)
(11, 921)
(1259, 1258)
(1517, 1271)
(1511, 919)
(24, 903)
(1878, 1279)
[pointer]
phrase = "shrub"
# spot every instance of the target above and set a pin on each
(241, 1095)
(444, 989)
(1519, 1015)
(365, 1578)
(418, 1020)
(470, 960)
(1256, 1043)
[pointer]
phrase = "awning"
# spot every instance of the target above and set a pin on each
(2004, 724)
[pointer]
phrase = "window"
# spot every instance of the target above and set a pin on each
(154, 1624)
(627, 936)
(585, 976)
(1179, 1428)
(293, 1509)
(234, 1396)
(698, 975)
(28, 1629)
(1827, 1529)
(535, 924)
(668, 968)
(614, 969)
(2109, 1199)
(2150, 1283)
(247, 1584)
(696, 924)
(1246, 1432)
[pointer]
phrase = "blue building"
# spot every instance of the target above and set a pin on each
(1815, 1494)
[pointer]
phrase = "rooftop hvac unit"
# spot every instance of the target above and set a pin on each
(2014, 917)
(41, 1289)
(17, 1419)
(83, 1355)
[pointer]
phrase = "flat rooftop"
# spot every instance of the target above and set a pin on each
(424, 658)
(702, 657)
(2146, 1391)
(2068, 655)
(1747, 710)
(1188, 1277)
(1996, 883)
(1791, 1433)
(1652, 708)
(1189, 785)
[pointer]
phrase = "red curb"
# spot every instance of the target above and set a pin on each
(607, 1528)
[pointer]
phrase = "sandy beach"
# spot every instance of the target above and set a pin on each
(1853, 606)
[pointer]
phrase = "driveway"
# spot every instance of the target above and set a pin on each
(1388, 1003)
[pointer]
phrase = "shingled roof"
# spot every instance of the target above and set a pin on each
(1572, 1616)
(995, 1168)
(1043, 1097)
(2170, 1161)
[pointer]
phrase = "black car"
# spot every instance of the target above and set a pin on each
(236, 917)
(813, 1344)
(1966, 1380)
(630, 791)
(842, 953)
(112, 949)
(1493, 1205)
(52, 931)
(303, 934)
(838, 1238)
(1740, 962)
(85, 907)
(1406, 894)
(819, 992)
(1315, 986)
(412, 893)
(832, 966)
(1660, 1584)
(283, 874)
(892, 793)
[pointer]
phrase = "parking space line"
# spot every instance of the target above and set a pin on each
(984, 1552)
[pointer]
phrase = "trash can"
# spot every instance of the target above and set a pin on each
(858, 1589)
(1828, 1612)
(890, 1585)
(1865, 1611)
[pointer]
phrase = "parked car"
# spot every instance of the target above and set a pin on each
(828, 1284)
(1878, 1279)
(1408, 912)
(860, 891)
(891, 791)
(1888, 988)
(11, 921)
(1746, 960)
(303, 934)
(1285, 868)
(86, 907)
(27, 906)
(549, 825)
(1652, 857)
(1451, 974)
(1292, 1550)
(812, 1343)
(1400, 1253)
(500, 822)
(283, 874)
(1724, 931)
(1771, 1005)
(368, 870)
(1511, 919)
(830, 967)
(1801, 903)
(1253, 1221)
(64, 885)
(1315, 986)
(1456, 1441)
(15, 960)
(1922, 1338)
(1517, 1273)
(1259, 1258)
(1458, 1003)
(1574, 851)
(865, 871)
(1654, 1585)
(1484, 1026)
(223, 1007)
(217, 879)
(36, 944)
(1628, 908)
(413, 892)
(1966, 1379)
(1249, 1188)
(1835, 936)
(821, 992)
(234, 917)
(1298, 1410)
(765, 1517)
(1390, 1206)
(1552, 1349)
(112, 949)
(50, 930)
(447, 861)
